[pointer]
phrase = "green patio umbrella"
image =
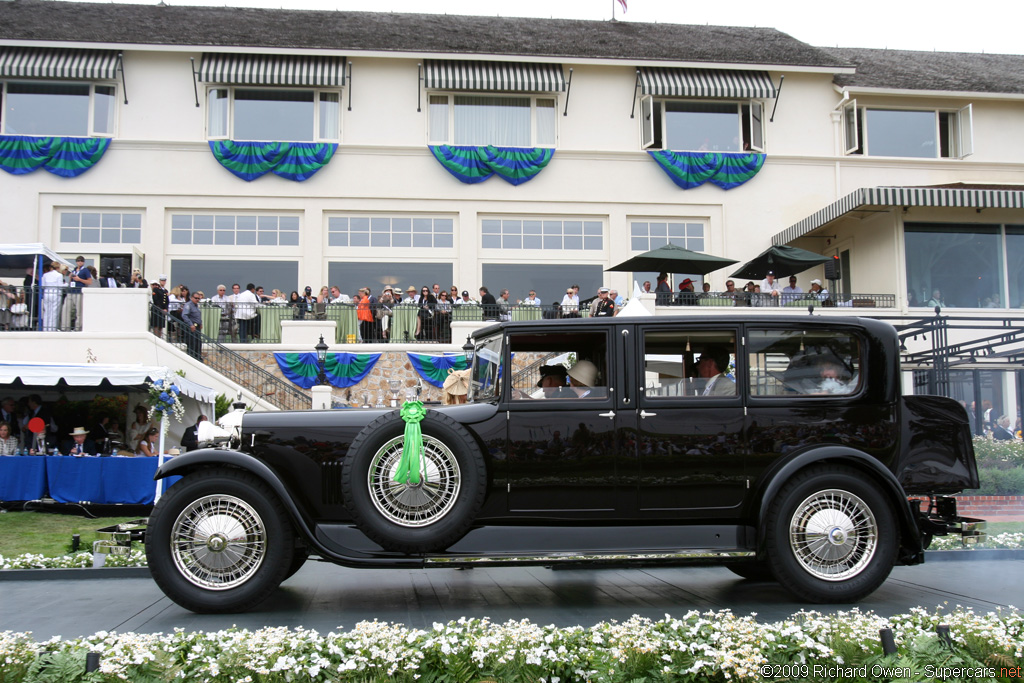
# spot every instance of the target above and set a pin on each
(673, 259)
(783, 260)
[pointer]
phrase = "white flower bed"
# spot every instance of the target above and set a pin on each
(697, 647)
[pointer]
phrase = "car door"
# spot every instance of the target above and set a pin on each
(564, 442)
(690, 445)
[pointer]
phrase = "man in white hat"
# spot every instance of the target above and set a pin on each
(817, 291)
(79, 443)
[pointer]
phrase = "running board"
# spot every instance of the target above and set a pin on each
(522, 545)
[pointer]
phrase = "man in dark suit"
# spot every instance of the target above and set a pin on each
(190, 439)
(489, 304)
(79, 444)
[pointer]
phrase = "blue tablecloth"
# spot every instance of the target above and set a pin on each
(103, 481)
(22, 477)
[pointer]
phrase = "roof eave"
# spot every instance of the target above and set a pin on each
(406, 54)
(907, 92)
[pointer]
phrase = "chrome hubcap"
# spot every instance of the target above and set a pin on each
(421, 504)
(218, 542)
(833, 535)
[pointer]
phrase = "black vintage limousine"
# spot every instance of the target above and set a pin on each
(781, 447)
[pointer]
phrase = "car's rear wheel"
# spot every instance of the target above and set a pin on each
(219, 541)
(413, 518)
(831, 535)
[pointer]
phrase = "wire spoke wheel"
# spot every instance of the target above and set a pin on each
(833, 535)
(415, 505)
(218, 542)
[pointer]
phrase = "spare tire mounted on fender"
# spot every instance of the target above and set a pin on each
(426, 516)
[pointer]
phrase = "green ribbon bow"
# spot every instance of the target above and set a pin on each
(408, 472)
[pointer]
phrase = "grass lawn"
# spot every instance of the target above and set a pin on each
(48, 534)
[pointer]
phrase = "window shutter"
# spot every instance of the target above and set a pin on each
(756, 126)
(965, 129)
(646, 121)
(851, 129)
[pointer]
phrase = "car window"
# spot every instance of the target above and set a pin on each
(691, 364)
(803, 362)
(487, 369)
(562, 366)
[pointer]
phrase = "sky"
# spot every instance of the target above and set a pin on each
(942, 25)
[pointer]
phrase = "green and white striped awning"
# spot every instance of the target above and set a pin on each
(493, 76)
(239, 69)
(669, 82)
(28, 62)
(960, 197)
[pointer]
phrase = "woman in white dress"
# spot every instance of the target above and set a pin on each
(53, 285)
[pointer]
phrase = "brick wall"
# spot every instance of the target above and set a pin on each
(990, 506)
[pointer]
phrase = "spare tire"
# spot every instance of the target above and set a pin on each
(414, 518)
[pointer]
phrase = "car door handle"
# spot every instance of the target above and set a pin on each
(609, 414)
(644, 413)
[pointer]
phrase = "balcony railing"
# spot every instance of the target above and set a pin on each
(758, 300)
(40, 309)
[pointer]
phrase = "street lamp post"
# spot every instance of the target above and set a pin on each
(321, 359)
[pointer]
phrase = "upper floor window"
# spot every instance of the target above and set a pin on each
(278, 115)
(235, 230)
(101, 227)
(646, 235)
(515, 233)
(248, 103)
(503, 121)
(920, 133)
(502, 106)
(55, 92)
(698, 110)
(390, 231)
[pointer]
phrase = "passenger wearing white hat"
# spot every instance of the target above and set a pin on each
(79, 443)
(582, 378)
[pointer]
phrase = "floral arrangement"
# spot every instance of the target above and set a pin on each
(708, 646)
(164, 399)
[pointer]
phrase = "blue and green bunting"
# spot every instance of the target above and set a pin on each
(434, 369)
(514, 165)
(292, 160)
(692, 169)
(342, 369)
(66, 157)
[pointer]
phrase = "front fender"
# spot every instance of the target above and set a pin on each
(777, 476)
(181, 465)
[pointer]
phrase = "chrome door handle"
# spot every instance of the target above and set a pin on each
(609, 414)
(644, 413)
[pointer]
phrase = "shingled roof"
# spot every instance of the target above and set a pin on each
(949, 71)
(392, 32)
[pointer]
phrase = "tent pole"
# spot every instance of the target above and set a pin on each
(160, 461)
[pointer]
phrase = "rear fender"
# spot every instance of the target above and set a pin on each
(773, 480)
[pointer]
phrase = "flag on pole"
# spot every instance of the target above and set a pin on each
(623, 3)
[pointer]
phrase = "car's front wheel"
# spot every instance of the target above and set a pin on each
(831, 535)
(219, 541)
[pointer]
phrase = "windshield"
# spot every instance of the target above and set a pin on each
(486, 368)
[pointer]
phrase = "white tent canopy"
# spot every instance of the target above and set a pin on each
(24, 255)
(93, 374)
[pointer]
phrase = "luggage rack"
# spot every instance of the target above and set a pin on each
(117, 539)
